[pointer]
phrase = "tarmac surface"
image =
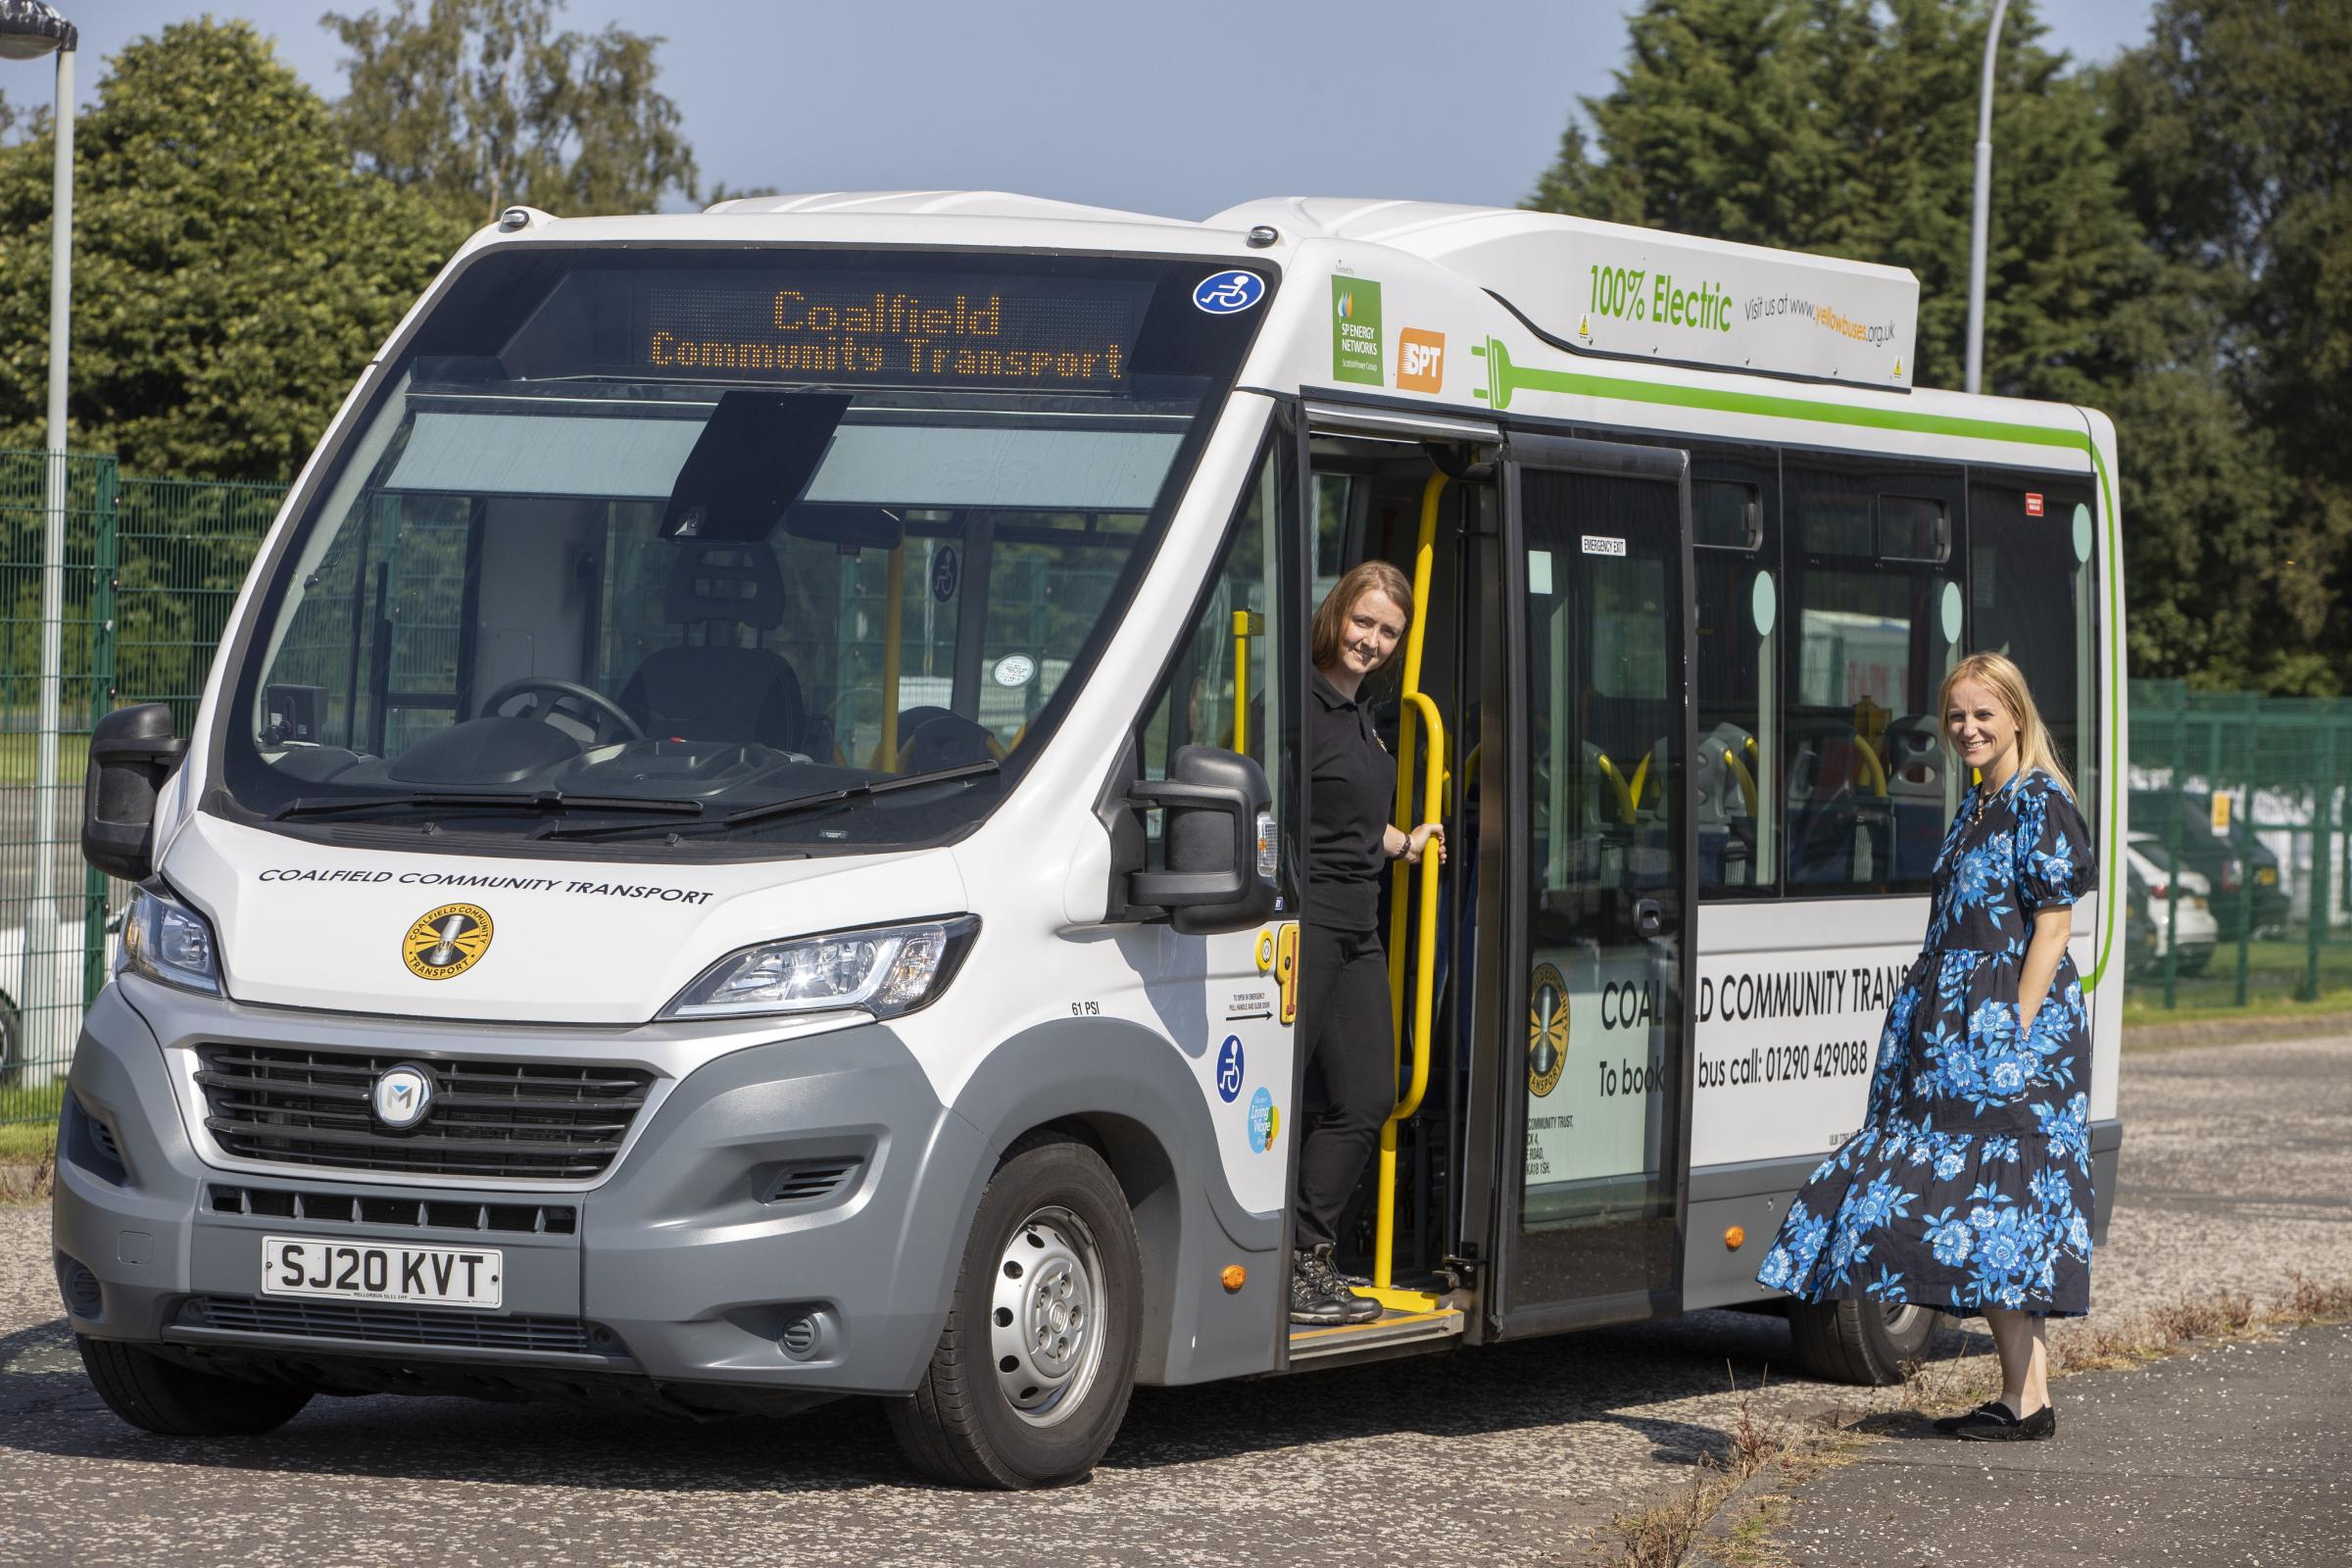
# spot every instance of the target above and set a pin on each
(2234, 1169)
(2240, 1453)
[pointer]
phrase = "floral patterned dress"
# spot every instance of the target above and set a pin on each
(1969, 1184)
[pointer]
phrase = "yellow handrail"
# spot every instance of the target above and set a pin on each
(1416, 706)
(1871, 767)
(1425, 973)
(894, 620)
(1740, 776)
(1625, 797)
(1246, 625)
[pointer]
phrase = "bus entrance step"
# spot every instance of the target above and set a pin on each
(1390, 1328)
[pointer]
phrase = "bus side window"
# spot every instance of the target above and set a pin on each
(1228, 685)
(1875, 617)
(2033, 595)
(1735, 507)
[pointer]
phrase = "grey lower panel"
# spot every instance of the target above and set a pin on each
(1752, 1198)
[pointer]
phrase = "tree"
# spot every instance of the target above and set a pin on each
(479, 105)
(232, 274)
(1849, 129)
(2122, 257)
(2234, 128)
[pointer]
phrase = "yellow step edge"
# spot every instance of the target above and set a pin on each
(1301, 1334)
(1397, 1301)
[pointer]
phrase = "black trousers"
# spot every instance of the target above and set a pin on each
(1344, 1027)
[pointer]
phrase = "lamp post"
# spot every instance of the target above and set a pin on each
(30, 29)
(1984, 205)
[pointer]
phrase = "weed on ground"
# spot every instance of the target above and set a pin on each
(1666, 1533)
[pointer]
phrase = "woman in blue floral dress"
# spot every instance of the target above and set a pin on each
(1968, 1188)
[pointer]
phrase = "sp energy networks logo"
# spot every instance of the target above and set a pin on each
(1355, 331)
(447, 941)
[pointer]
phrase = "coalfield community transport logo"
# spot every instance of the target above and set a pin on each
(1547, 1030)
(447, 941)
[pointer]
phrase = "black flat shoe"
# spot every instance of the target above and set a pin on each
(1950, 1424)
(1994, 1423)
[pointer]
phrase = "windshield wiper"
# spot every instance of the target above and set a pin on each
(766, 811)
(856, 792)
(509, 800)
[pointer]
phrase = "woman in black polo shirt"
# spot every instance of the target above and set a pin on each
(1344, 1016)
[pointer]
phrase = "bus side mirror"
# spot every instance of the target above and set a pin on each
(132, 751)
(1216, 803)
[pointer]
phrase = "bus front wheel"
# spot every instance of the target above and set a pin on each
(1859, 1341)
(1032, 1374)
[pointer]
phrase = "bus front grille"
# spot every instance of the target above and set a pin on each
(396, 1325)
(527, 1120)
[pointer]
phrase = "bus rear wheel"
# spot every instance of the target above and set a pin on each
(1034, 1369)
(1859, 1341)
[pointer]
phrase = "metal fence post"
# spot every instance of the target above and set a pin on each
(2174, 891)
(103, 550)
(2320, 903)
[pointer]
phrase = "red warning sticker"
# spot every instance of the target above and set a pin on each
(2032, 503)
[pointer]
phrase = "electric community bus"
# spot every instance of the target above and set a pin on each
(742, 847)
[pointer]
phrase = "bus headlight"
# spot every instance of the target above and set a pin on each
(166, 941)
(887, 970)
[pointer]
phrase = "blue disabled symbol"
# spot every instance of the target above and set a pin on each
(1229, 1070)
(1229, 293)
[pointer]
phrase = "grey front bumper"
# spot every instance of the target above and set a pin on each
(685, 1264)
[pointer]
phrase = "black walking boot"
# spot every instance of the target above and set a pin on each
(1317, 1266)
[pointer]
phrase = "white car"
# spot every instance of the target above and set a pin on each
(2153, 873)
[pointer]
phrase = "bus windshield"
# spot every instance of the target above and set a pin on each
(749, 549)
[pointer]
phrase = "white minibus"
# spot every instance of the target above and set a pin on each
(743, 847)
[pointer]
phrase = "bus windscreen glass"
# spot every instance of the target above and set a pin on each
(725, 542)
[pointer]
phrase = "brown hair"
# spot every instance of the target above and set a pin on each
(2035, 748)
(1323, 636)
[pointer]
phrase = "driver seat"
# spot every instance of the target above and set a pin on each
(720, 689)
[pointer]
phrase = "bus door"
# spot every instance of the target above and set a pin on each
(1586, 1121)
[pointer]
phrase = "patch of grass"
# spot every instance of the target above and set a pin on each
(1664, 1533)
(1661, 1535)
(2141, 1013)
(19, 757)
(28, 1142)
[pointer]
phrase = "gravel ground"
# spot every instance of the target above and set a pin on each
(2236, 1169)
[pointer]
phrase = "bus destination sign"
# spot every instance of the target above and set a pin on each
(942, 331)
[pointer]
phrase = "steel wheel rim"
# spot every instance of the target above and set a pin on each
(1045, 1316)
(1901, 1320)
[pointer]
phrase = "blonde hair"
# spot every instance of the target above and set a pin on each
(2035, 748)
(1331, 616)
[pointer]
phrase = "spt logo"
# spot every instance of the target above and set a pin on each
(1420, 359)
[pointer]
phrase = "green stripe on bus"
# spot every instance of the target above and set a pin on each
(1504, 380)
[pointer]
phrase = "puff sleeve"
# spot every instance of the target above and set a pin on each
(2056, 865)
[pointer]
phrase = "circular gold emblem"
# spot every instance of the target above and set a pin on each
(1547, 1030)
(446, 942)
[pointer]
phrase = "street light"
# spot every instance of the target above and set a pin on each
(30, 29)
(1976, 232)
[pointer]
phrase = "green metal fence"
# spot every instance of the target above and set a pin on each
(2240, 868)
(150, 570)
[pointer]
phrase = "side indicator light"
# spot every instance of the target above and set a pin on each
(1735, 1237)
(1234, 1278)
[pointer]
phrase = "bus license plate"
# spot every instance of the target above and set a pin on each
(379, 1271)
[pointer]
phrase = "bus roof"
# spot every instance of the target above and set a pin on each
(1598, 287)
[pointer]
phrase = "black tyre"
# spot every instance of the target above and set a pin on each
(159, 1395)
(1859, 1341)
(1032, 1374)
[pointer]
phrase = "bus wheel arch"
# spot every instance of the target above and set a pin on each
(1031, 1377)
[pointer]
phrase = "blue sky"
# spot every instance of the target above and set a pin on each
(1179, 108)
